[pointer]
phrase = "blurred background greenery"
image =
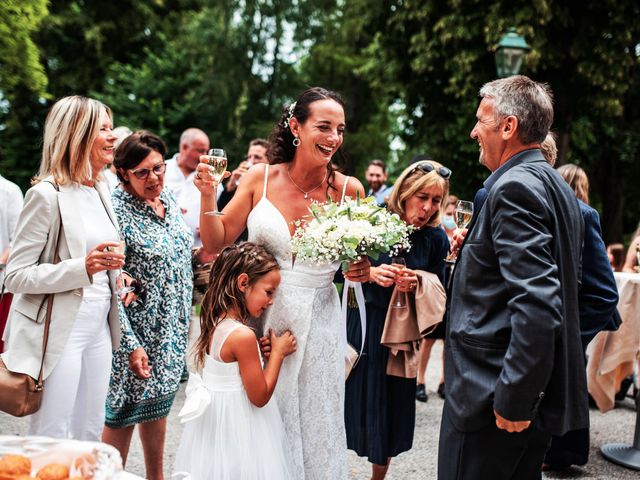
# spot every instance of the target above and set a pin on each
(409, 70)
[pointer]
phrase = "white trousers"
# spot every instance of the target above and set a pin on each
(73, 403)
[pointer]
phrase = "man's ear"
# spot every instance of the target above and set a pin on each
(243, 282)
(509, 127)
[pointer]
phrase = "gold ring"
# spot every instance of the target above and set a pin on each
(198, 176)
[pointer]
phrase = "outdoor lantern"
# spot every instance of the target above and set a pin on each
(510, 53)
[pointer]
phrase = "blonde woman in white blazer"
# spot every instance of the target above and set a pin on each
(77, 144)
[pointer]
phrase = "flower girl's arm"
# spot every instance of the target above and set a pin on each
(258, 383)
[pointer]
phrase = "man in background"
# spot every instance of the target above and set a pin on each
(376, 176)
(257, 153)
(181, 169)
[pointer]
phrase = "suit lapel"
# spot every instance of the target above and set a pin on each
(72, 220)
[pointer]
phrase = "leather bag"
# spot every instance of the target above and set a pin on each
(21, 394)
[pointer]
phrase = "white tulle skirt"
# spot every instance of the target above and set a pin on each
(232, 439)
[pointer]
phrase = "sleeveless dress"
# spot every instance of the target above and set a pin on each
(310, 389)
(225, 436)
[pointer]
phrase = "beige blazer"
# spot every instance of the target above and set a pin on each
(404, 327)
(31, 275)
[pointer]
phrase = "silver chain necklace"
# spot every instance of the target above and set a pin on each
(306, 194)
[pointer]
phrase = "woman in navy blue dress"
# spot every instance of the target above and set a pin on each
(379, 408)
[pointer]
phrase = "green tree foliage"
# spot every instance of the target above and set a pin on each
(408, 69)
(22, 80)
(434, 56)
(79, 41)
(19, 56)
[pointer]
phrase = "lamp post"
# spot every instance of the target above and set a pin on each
(510, 53)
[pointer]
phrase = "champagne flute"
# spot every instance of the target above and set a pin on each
(217, 160)
(120, 248)
(463, 215)
(401, 297)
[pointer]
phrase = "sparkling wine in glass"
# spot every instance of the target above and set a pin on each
(463, 215)
(120, 249)
(217, 160)
(401, 297)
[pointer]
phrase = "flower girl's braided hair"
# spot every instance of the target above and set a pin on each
(223, 294)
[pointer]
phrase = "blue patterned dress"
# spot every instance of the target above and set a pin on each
(159, 255)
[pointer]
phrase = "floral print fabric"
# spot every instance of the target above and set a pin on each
(158, 254)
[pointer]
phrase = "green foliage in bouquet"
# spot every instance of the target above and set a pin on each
(348, 231)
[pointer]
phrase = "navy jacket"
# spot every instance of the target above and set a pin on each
(514, 333)
(598, 293)
(598, 296)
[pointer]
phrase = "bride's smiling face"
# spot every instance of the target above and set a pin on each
(322, 134)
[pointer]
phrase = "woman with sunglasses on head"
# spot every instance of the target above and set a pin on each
(148, 365)
(379, 408)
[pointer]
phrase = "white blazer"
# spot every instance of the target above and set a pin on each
(31, 275)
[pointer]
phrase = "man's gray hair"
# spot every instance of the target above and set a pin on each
(530, 102)
(191, 134)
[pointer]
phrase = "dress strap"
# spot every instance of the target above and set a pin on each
(266, 179)
(222, 332)
(344, 188)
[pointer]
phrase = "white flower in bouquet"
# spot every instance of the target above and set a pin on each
(347, 231)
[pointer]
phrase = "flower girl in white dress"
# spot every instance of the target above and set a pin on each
(233, 430)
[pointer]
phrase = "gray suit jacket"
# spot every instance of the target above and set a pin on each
(31, 275)
(514, 331)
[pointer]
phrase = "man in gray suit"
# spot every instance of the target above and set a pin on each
(514, 364)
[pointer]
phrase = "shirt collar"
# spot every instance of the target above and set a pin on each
(515, 160)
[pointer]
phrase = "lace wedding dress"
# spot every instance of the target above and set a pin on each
(310, 389)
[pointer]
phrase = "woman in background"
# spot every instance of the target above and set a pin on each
(77, 144)
(149, 363)
(380, 409)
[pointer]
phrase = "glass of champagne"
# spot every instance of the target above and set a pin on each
(120, 248)
(217, 160)
(463, 215)
(401, 298)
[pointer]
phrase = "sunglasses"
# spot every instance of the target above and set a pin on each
(143, 173)
(427, 167)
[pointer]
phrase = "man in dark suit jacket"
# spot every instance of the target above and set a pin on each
(514, 364)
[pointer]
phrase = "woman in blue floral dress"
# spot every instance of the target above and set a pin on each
(146, 369)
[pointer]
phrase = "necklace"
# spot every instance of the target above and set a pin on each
(306, 194)
(156, 206)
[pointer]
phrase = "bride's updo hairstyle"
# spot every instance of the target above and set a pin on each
(224, 295)
(281, 148)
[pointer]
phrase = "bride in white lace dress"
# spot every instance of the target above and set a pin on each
(268, 201)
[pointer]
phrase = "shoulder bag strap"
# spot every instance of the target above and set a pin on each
(47, 319)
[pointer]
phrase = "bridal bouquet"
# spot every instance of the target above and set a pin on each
(349, 230)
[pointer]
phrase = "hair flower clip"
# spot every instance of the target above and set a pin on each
(292, 107)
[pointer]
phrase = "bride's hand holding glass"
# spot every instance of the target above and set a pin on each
(203, 179)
